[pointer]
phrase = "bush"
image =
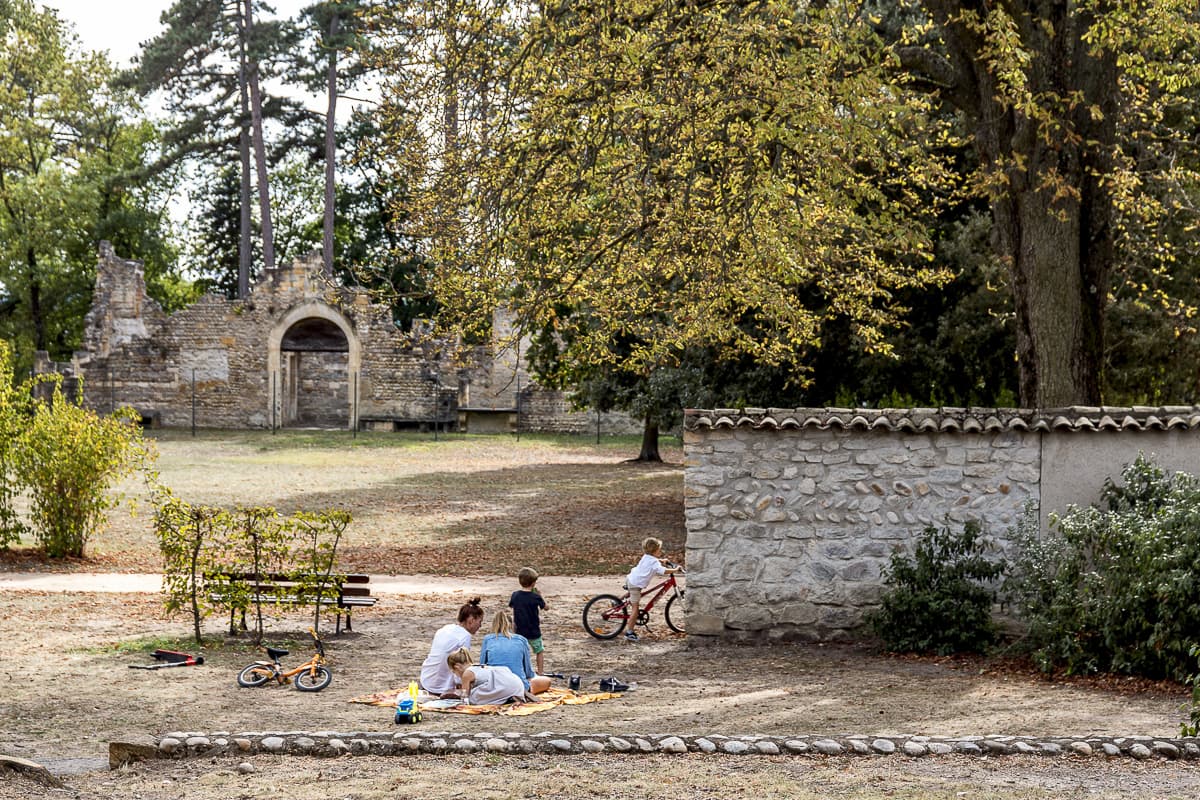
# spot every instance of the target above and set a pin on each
(14, 412)
(1114, 588)
(1191, 727)
(936, 601)
(202, 545)
(68, 457)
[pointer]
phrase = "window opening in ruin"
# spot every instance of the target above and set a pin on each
(315, 380)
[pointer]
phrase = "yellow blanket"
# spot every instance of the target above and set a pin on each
(548, 699)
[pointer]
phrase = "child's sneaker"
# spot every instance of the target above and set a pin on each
(631, 636)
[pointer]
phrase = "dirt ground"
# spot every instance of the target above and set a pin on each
(68, 689)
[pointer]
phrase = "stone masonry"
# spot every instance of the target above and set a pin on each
(329, 744)
(298, 351)
(793, 514)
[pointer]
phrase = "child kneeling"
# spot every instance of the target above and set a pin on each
(484, 686)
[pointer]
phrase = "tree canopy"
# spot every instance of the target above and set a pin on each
(73, 151)
(645, 176)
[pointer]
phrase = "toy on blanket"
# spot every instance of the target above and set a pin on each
(407, 711)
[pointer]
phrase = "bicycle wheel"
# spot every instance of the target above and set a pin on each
(604, 616)
(255, 675)
(313, 680)
(676, 621)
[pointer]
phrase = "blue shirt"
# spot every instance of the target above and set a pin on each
(507, 651)
(525, 607)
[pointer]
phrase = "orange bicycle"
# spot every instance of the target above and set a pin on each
(605, 615)
(311, 676)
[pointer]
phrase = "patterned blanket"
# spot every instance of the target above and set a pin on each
(548, 699)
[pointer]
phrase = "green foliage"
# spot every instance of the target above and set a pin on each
(1192, 726)
(936, 599)
(14, 410)
(205, 551)
(73, 154)
(69, 457)
(1116, 589)
(182, 532)
(645, 179)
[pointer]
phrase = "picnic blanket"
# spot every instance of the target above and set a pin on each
(551, 698)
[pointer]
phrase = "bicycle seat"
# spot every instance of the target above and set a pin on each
(275, 652)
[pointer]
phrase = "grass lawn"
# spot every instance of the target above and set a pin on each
(454, 505)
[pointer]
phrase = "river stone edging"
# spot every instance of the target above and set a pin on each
(412, 742)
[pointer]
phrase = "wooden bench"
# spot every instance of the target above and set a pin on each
(343, 592)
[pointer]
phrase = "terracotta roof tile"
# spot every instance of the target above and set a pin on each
(933, 420)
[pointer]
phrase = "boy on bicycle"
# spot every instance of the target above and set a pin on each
(640, 576)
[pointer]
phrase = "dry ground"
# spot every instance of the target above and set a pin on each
(470, 505)
(68, 689)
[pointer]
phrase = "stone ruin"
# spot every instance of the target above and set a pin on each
(298, 351)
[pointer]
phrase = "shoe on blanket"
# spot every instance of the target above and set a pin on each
(631, 636)
(613, 685)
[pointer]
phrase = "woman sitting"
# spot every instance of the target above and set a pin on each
(504, 647)
(435, 677)
(484, 686)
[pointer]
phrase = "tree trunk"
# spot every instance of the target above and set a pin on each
(1052, 213)
(260, 151)
(35, 301)
(330, 149)
(245, 256)
(649, 443)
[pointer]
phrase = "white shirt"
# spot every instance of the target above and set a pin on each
(647, 568)
(436, 677)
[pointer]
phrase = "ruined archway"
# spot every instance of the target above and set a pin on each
(313, 362)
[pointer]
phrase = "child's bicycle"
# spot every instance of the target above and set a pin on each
(605, 615)
(311, 676)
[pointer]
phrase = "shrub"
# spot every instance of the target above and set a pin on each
(14, 411)
(68, 457)
(203, 546)
(1191, 727)
(1114, 588)
(936, 600)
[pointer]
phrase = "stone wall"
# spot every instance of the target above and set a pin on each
(297, 351)
(792, 514)
(552, 412)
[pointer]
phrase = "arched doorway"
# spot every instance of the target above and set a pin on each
(313, 359)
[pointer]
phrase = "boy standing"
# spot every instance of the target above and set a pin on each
(640, 577)
(526, 604)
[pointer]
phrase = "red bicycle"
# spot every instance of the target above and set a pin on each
(605, 615)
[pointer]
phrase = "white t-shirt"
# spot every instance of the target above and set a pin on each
(647, 568)
(495, 685)
(436, 677)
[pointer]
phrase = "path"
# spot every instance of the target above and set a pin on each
(120, 582)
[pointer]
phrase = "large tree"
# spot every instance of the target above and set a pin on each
(1064, 100)
(636, 179)
(738, 174)
(208, 65)
(72, 155)
(335, 29)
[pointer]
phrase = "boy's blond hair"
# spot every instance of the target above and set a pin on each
(460, 656)
(502, 624)
(650, 545)
(527, 577)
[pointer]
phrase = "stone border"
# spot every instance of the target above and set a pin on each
(410, 741)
